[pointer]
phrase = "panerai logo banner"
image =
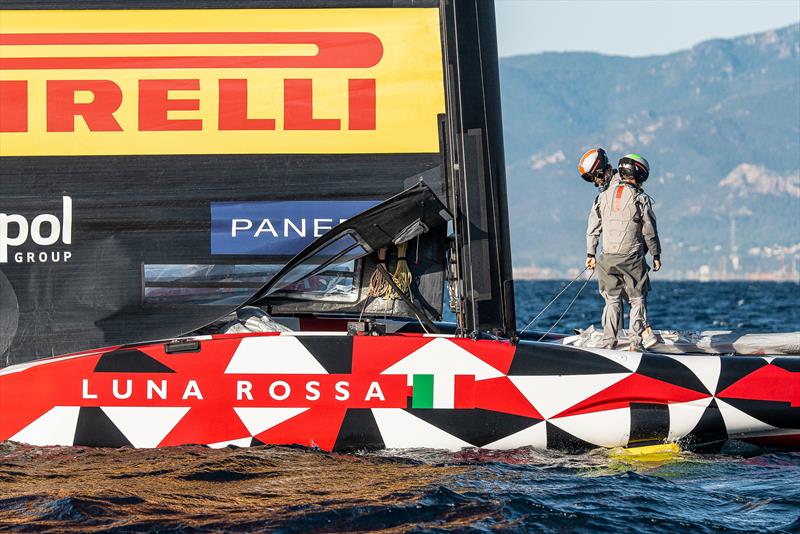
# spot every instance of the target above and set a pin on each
(276, 228)
(220, 81)
(37, 240)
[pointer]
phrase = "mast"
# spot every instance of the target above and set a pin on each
(477, 168)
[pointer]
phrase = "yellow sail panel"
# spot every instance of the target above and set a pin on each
(222, 81)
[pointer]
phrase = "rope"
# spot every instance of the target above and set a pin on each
(552, 301)
(568, 307)
(402, 274)
(377, 284)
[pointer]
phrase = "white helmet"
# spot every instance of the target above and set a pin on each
(593, 164)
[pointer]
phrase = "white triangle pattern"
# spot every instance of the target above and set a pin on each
(626, 358)
(440, 356)
(401, 430)
(273, 355)
(145, 427)
(738, 423)
(257, 420)
(707, 368)
(241, 442)
(609, 428)
(56, 427)
(684, 416)
(533, 436)
(553, 394)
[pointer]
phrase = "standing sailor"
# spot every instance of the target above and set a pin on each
(623, 213)
(595, 168)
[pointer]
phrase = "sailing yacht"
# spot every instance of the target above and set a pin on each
(287, 199)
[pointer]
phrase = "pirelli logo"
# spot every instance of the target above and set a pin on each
(219, 81)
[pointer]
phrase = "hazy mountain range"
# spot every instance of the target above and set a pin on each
(719, 123)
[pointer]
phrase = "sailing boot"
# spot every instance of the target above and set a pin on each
(649, 338)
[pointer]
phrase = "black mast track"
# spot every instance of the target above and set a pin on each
(478, 169)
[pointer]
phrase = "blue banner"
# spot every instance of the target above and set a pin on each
(276, 228)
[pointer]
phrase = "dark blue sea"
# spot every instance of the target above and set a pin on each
(745, 306)
(284, 489)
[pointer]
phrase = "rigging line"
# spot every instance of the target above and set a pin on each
(363, 308)
(552, 301)
(568, 307)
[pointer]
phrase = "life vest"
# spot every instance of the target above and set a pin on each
(621, 219)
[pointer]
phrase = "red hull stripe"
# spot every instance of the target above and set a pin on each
(334, 50)
(770, 383)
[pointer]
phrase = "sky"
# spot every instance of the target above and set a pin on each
(632, 27)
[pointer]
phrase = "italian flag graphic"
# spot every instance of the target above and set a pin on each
(443, 391)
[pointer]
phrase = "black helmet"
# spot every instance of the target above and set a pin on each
(634, 166)
(593, 164)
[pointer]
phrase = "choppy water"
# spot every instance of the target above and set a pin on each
(746, 306)
(191, 489)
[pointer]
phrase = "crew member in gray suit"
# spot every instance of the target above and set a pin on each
(623, 214)
(595, 168)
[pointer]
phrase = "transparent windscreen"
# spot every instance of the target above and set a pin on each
(322, 270)
(231, 285)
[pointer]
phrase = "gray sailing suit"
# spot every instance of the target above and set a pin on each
(623, 297)
(623, 214)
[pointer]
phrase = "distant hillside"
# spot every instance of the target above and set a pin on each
(719, 123)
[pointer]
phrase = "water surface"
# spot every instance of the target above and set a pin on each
(195, 489)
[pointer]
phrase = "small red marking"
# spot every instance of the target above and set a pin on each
(618, 197)
(334, 50)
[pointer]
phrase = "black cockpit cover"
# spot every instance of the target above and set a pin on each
(407, 215)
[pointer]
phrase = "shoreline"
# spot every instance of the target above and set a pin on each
(568, 277)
